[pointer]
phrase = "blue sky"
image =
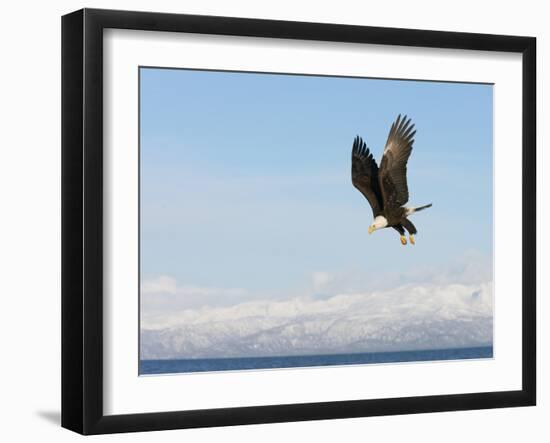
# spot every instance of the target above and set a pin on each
(245, 178)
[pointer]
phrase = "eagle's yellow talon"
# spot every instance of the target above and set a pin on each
(403, 240)
(411, 238)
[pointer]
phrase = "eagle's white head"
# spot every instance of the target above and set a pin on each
(379, 222)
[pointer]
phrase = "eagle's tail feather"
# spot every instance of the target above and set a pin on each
(420, 208)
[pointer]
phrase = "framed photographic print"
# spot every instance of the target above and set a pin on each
(269, 221)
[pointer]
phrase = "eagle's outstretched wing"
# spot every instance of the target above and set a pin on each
(364, 175)
(393, 167)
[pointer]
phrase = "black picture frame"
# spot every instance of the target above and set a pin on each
(82, 218)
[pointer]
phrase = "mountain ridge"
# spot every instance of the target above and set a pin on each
(407, 318)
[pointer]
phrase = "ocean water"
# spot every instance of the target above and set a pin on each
(148, 367)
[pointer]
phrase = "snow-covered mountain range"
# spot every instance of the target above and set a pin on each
(410, 317)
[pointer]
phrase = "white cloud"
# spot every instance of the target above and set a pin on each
(160, 285)
(321, 280)
(472, 267)
(161, 297)
(168, 285)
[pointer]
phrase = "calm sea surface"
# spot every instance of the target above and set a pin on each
(295, 361)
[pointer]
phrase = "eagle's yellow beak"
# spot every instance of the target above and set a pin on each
(371, 229)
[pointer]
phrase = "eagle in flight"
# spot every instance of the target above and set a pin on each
(386, 188)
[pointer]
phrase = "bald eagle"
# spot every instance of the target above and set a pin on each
(386, 188)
